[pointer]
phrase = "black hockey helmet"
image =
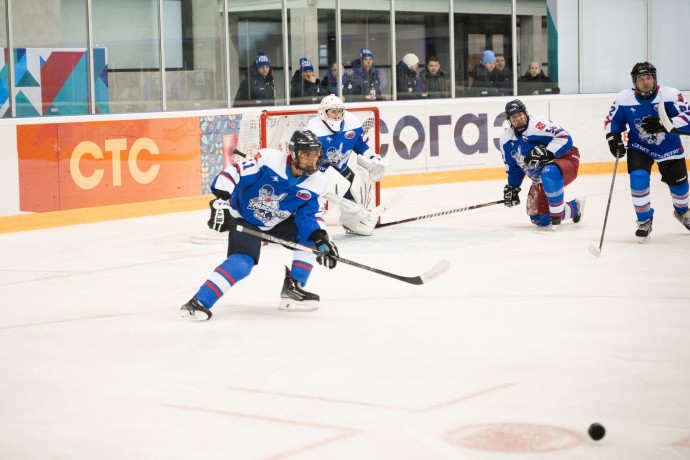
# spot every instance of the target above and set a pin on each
(304, 141)
(513, 107)
(643, 68)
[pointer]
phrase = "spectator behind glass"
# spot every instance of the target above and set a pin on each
(436, 83)
(329, 81)
(258, 88)
(366, 80)
(536, 82)
(409, 85)
(305, 88)
(480, 81)
(503, 76)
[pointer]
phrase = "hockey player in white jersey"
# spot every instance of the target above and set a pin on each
(649, 142)
(279, 194)
(540, 149)
(341, 135)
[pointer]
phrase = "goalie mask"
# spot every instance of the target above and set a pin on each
(303, 146)
(331, 112)
(515, 107)
(643, 68)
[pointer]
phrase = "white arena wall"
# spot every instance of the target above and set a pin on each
(88, 168)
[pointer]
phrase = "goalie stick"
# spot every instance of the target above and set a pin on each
(434, 272)
(439, 214)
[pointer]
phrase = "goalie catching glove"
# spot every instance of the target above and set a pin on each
(510, 196)
(372, 162)
(220, 215)
(327, 247)
(538, 157)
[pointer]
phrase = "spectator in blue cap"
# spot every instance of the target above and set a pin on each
(258, 88)
(481, 82)
(305, 88)
(366, 80)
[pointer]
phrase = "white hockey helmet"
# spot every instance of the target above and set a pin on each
(331, 111)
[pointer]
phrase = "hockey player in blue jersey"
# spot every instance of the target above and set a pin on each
(341, 135)
(279, 194)
(540, 149)
(649, 141)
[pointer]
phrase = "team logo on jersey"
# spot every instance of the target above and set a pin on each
(540, 126)
(350, 135)
(336, 157)
(303, 194)
(266, 206)
(650, 138)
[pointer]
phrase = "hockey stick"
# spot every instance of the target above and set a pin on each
(593, 249)
(434, 272)
(439, 214)
(667, 123)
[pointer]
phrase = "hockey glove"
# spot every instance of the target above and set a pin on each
(539, 156)
(376, 166)
(616, 145)
(510, 195)
(220, 215)
(327, 247)
(652, 124)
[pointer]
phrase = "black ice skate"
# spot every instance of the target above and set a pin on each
(194, 310)
(580, 204)
(644, 228)
(294, 298)
(683, 218)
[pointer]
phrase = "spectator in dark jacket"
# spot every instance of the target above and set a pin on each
(305, 88)
(330, 80)
(503, 76)
(409, 85)
(258, 88)
(536, 82)
(366, 80)
(435, 81)
(481, 82)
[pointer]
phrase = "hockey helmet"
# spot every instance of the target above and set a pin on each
(331, 112)
(643, 68)
(305, 141)
(512, 108)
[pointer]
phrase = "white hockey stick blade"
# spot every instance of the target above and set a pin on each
(663, 117)
(594, 250)
(435, 271)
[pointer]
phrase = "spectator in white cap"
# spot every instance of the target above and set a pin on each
(481, 82)
(409, 84)
(258, 88)
(305, 87)
(366, 81)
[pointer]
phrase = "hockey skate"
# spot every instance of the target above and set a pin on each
(683, 218)
(644, 228)
(580, 204)
(555, 223)
(194, 310)
(294, 298)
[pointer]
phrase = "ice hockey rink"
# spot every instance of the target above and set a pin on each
(511, 354)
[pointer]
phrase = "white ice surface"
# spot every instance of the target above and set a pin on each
(513, 353)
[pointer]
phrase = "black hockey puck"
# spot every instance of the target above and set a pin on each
(596, 431)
